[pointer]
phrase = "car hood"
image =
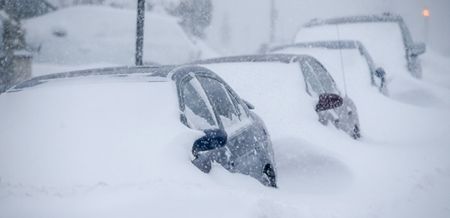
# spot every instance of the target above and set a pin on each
(89, 131)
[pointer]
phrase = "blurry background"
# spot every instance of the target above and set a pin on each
(46, 36)
(241, 26)
(248, 21)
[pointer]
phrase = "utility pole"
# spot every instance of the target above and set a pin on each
(140, 31)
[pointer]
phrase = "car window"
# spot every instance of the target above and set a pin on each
(239, 106)
(198, 112)
(312, 83)
(324, 77)
(319, 81)
(221, 101)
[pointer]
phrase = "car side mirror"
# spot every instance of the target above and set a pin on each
(328, 101)
(213, 139)
(417, 49)
(249, 105)
(380, 73)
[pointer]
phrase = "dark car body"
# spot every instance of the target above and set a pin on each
(248, 148)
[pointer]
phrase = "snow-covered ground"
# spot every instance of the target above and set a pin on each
(400, 168)
(437, 69)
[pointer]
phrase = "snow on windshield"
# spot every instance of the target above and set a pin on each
(383, 41)
(357, 72)
(263, 84)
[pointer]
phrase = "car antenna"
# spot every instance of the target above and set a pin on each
(342, 58)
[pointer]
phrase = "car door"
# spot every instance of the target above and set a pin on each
(319, 81)
(314, 88)
(247, 138)
(199, 114)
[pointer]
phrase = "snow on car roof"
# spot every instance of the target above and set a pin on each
(383, 40)
(329, 44)
(375, 18)
(282, 58)
(276, 87)
(153, 73)
(332, 44)
(385, 17)
(358, 64)
(85, 131)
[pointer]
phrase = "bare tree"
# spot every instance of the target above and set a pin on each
(195, 15)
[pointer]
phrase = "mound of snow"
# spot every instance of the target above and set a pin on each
(93, 34)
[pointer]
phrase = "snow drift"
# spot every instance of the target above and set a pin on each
(99, 34)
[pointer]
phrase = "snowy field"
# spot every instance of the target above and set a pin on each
(399, 168)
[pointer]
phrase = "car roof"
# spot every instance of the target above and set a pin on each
(272, 84)
(153, 73)
(375, 18)
(264, 59)
(332, 44)
(385, 17)
(281, 58)
(329, 44)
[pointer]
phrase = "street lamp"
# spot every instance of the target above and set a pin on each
(426, 15)
(140, 32)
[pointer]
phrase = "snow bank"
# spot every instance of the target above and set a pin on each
(89, 131)
(437, 68)
(92, 34)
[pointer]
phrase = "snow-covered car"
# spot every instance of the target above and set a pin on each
(386, 37)
(358, 65)
(291, 82)
(128, 124)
